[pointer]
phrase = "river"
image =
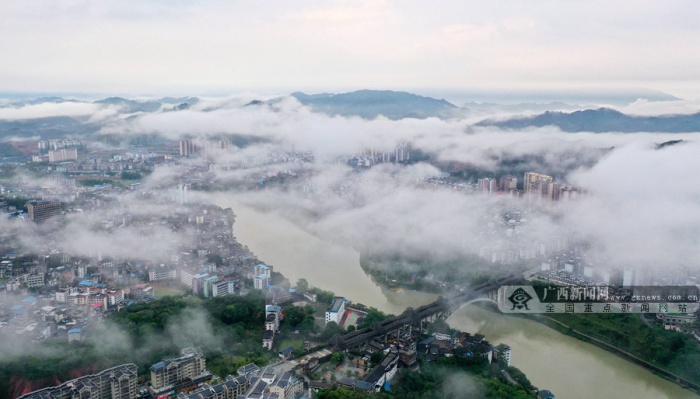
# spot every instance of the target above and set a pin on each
(568, 367)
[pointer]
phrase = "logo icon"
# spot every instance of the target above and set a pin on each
(519, 299)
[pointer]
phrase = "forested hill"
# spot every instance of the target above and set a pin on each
(602, 120)
(372, 103)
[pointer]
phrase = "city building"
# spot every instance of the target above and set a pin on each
(503, 352)
(75, 334)
(508, 183)
(487, 186)
(268, 339)
(140, 291)
(278, 295)
(251, 383)
(183, 193)
(115, 383)
(677, 322)
(534, 181)
(262, 268)
(402, 152)
(63, 154)
(336, 311)
(263, 273)
(223, 287)
(41, 210)
(231, 388)
(160, 273)
(545, 394)
(385, 371)
(261, 282)
(173, 375)
(35, 280)
(188, 148)
(272, 321)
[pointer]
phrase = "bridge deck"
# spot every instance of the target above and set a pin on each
(415, 316)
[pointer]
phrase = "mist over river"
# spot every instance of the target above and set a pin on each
(568, 367)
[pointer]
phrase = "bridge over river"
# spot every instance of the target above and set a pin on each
(414, 318)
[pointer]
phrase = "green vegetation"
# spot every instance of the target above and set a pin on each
(296, 317)
(373, 315)
(55, 361)
(131, 175)
(337, 358)
(227, 328)
(458, 376)
(160, 292)
(429, 274)
(331, 329)
(17, 202)
(302, 285)
(323, 297)
(454, 377)
(6, 174)
(673, 351)
(216, 259)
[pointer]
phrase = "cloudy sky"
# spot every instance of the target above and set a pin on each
(140, 47)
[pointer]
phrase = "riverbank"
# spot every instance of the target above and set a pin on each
(567, 366)
(666, 353)
(634, 358)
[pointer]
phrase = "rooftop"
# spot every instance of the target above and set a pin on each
(337, 303)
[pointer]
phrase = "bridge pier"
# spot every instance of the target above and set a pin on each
(413, 319)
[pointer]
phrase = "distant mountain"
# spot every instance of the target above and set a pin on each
(47, 128)
(81, 126)
(592, 96)
(495, 108)
(39, 100)
(131, 106)
(602, 120)
(669, 143)
(179, 100)
(372, 103)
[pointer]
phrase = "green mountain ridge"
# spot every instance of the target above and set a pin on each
(602, 120)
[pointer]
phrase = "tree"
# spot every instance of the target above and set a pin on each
(337, 357)
(302, 285)
(308, 325)
(294, 315)
(53, 261)
(377, 357)
(323, 296)
(131, 175)
(310, 310)
(216, 259)
(373, 314)
(331, 329)
(277, 279)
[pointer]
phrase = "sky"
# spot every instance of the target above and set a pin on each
(178, 47)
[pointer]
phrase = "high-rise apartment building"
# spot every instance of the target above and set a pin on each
(179, 373)
(64, 154)
(533, 181)
(188, 148)
(508, 183)
(403, 152)
(487, 186)
(42, 210)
